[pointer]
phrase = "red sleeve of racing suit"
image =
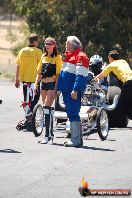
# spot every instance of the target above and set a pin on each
(81, 72)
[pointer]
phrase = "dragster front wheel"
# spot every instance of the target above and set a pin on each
(102, 124)
(38, 120)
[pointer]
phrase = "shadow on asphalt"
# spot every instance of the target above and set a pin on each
(124, 128)
(85, 147)
(129, 128)
(95, 148)
(111, 140)
(86, 137)
(9, 151)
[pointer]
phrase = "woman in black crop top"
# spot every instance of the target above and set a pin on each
(47, 72)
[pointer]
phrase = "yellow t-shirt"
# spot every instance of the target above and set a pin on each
(57, 60)
(28, 59)
(120, 68)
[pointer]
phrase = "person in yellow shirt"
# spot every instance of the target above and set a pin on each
(48, 71)
(27, 61)
(123, 72)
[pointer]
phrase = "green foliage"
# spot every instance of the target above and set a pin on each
(17, 48)
(100, 25)
(10, 36)
(7, 6)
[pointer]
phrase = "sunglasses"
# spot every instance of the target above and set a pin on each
(48, 43)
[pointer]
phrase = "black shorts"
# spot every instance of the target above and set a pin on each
(48, 86)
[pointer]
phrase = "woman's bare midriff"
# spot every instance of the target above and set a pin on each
(49, 79)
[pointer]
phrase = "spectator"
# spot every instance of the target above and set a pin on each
(27, 61)
(96, 66)
(48, 71)
(72, 83)
(123, 72)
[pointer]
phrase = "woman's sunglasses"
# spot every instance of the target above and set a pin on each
(48, 43)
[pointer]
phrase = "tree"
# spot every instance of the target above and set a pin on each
(8, 7)
(100, 25)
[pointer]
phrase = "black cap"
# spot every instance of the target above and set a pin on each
(114, 54)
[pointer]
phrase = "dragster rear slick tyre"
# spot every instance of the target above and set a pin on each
(117, 118)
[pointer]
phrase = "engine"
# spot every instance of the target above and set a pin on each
(94, 95)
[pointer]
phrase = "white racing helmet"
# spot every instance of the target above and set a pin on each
(96, 59)
(96, 63)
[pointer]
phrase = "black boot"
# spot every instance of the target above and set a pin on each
(51, 126)
(48, 125)
(28, 122)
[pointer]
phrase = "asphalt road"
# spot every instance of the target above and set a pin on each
(32, 170)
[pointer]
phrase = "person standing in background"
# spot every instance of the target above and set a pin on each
(123, 73)
(72, 83)
(96, 66)
(27, 61)
(48, 70)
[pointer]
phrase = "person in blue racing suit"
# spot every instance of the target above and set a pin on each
(72, 82)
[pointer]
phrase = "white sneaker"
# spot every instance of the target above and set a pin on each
(45, 141)
(51, 138)
(68, 144)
